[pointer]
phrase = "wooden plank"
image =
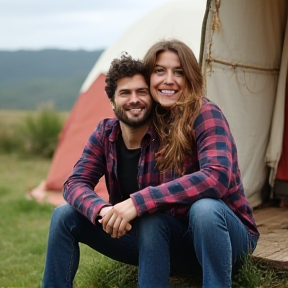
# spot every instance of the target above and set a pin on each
(272, 246)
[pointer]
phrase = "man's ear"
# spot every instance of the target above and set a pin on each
(111, 101)
(112, 104)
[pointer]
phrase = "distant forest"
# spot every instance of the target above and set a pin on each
(31, 79)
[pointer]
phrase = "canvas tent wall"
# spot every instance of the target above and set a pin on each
(244, 59)
(240, 54)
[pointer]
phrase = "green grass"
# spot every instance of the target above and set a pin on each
(24, 227)
(12, 117)
(23, 224)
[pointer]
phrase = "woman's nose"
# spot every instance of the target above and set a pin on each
(168, 79)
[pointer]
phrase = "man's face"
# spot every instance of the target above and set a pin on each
(132, 101)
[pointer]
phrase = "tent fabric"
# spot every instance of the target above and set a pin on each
(282, 169)
(91, 106)
(181, 19)
(241, 61)
(275, 144)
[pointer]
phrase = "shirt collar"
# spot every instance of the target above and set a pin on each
(115, 130)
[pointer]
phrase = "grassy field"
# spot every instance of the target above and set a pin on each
(24, 227)
(12, 117)
(23, 224)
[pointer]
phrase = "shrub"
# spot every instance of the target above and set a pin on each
(9, 139)
(39, 133)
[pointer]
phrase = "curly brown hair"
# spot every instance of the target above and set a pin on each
(126, 66)
(175, 126)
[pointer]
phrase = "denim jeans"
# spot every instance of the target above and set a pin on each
(209, 241)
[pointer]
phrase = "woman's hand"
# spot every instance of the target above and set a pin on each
(116, 219)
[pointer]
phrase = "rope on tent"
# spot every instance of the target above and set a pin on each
(215, 25)
(216, 21)
(210, 59)
(234, 65)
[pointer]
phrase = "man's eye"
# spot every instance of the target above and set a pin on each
(143, 92)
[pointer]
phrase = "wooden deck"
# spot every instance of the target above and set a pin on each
(272, 246)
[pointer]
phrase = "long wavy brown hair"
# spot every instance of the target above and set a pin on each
(175, 126)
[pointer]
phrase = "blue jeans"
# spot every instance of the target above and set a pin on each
(209, 241)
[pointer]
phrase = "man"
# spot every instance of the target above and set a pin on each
(115, 149)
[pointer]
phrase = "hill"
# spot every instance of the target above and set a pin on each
(30, 78)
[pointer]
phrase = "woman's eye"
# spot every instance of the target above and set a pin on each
(179, 72)
(159, 70)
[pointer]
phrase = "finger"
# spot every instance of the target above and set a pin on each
(110, 224)
(122, 225)
(123, 232)
(122, 228)
(128, 227)
(105, 219)
(116, 227)
(120, 234)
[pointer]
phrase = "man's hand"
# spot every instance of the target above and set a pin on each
(116, 220)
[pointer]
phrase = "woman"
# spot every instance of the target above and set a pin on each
(202, 187)
(190, 126)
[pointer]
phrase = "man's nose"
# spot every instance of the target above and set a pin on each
(134, 97)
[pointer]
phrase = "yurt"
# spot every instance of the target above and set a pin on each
(243, 52)
(244, 56)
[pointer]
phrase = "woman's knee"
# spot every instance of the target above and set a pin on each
(205, 213)
(206, 207)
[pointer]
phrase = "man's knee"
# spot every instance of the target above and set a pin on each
(63, 213)
(151, 226)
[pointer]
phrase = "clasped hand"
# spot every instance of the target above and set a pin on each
(116, 219)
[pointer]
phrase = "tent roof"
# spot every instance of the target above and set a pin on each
(186, 21)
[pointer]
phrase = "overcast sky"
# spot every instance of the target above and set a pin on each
(68, 24)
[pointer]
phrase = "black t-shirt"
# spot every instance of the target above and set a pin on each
(128, 160)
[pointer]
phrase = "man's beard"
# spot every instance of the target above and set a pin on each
(135, 123)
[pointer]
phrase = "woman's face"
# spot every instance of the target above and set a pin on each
(167, 81)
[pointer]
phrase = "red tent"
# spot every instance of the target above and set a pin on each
(91, 106)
